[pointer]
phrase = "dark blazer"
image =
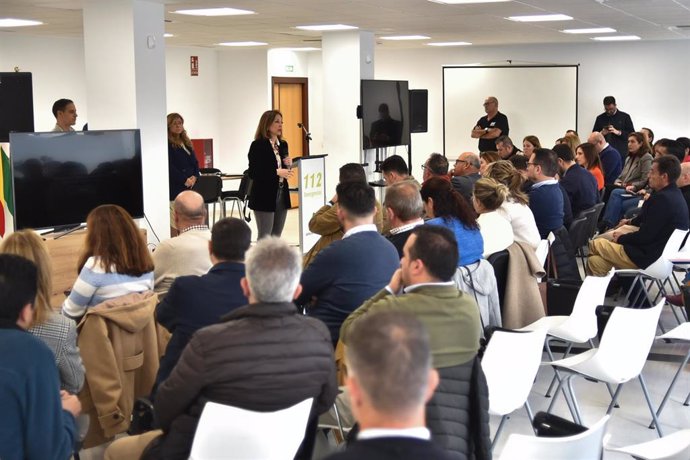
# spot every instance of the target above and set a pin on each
(465, 185)
(263, 172)
(261, 357)
(664, 211)
(194, 302)
(611, 164)
(181, 165)
(392, 448)
(345, 274)
(581, 187)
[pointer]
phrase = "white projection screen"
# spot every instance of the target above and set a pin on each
(538, 100)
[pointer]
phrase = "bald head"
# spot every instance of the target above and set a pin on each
(597, 139)
(467, 163)
(684, 178)
(189, 209)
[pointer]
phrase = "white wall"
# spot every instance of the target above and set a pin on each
(647, 79)
(57, 65)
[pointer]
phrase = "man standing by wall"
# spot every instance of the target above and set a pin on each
(490, 126)
(615, 126)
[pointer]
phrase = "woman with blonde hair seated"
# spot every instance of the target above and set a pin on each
(496, 231)
(516, 208)
(115, 261)
(58, 332)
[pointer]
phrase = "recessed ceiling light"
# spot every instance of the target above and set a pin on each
(449, 44)
(616, 38)
(305, 48)
(325, 27)
(168, 35)
(214, 12)
(467, 2)
(405, 37)
(243, 44)
(10, 22)
(540, 18)
(599, 30)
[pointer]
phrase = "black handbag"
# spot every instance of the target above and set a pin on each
(560, 296)
(552, 426)
(142, 417)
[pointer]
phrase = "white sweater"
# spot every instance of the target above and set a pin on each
(522, 220)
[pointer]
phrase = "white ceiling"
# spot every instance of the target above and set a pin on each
(482, 24)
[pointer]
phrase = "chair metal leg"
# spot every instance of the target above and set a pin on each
(614, 399)
(498, 431)
(649, 404)
(565, 355)
(687, 400)
(530, 416)
(337, 419)
(560, 389)
(670, 387)
(576, 408)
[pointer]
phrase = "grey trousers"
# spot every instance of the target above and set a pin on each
(272, 223)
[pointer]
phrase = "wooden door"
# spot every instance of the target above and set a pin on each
(290, 97)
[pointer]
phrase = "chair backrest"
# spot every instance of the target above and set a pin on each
(662, 267)
(627, 339)
(510, 364)
(583, 319)
(594, 219)
(232, 433)
(245, 186)
(209, 171)
(209, 187)
(586, 445)
(578, 230)
(499, 261)
(675, 446)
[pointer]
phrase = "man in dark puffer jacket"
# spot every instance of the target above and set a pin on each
(261, 357)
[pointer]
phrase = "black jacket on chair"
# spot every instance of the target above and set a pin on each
(458, 413)
(263, 172)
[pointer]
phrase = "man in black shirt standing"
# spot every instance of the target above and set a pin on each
(491, 126)
(615, 126)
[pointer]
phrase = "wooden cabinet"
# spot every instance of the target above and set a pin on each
(64, 254)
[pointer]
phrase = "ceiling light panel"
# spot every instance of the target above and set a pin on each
(596, 30)
(540, 18)
(243, 44)
(11, 22)
(616, 38)
(326, 27)
(405, 37)
(215, 12)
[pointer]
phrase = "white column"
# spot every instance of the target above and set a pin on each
(348, 57)
(124, 53)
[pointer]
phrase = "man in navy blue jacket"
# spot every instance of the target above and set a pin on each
(579, 184)
(664, 212)
(546, 199)
(194, 302)
(611, 161)
(36, 421)
(349, 271)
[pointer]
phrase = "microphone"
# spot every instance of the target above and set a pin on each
(307, 134)
(299, 125)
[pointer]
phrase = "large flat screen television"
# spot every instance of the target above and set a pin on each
(385, 113)
(60, 177)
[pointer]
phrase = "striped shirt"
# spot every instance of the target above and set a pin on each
(94, 286)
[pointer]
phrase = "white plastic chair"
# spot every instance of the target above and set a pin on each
(226, 432)
(658, 272)
(510, 364)
(584, 446)
(620, 357)
(581, 325)
(675, 446)
(681, 332)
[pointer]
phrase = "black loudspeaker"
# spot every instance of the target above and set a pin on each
(16, 104)
(419, 107)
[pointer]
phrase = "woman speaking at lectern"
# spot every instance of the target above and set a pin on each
(269, 168)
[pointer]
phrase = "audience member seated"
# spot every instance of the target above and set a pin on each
(496, 231)
(685, 142)
(505, 147)
(36, 420)
(58, 332)
(394, 169)
(325, 222)
(486, 158)
(662, 213)
(578, 183)
(115, 261)
(611, 162)
(669, 147)
(465, 174)
(516, 208)
(423, 287)
(194, 302)
(529, 144)
(187, 253)
(389, 390)
(648, 135)
(435, 166)
(519, 162)
(631, 181)
(351, 270)
(264, 356)
(404, 209)
(588, 158)
(445, 207)
(546, 198)
(572, 140)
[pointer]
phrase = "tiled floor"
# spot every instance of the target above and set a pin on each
(628, 424)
